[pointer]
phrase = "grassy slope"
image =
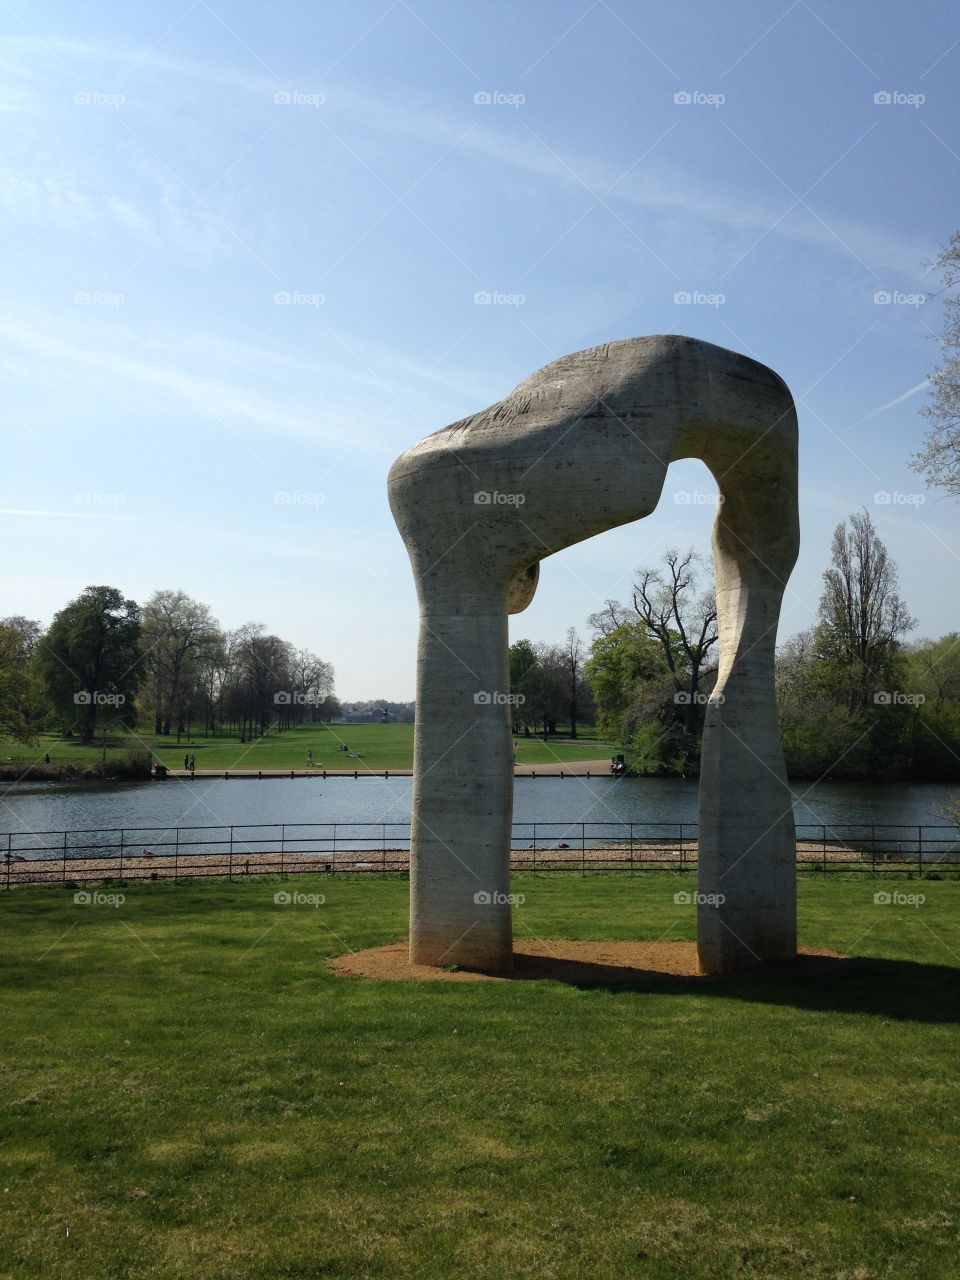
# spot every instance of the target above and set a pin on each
(388, 746)
(189, 1093)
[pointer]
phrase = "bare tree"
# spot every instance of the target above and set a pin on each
(178, 635)
(682, 621)
(573, 670)
(609, 618)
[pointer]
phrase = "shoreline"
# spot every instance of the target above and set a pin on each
(597, 768)
(653, 856)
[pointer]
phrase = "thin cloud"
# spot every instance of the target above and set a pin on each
(666, 188)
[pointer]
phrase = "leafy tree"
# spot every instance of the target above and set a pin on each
(622, 660)
(862, 617)
(22, 701)
(91, 661)
(939, 458)
(935, 669)
(526, 679)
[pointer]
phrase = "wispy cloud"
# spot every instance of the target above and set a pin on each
(660, 186)
(907, 395)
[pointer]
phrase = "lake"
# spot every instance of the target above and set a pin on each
(27, 808)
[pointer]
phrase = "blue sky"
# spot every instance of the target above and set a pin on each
(243, 242)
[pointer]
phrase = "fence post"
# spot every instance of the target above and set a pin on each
(122, 834)
(383, 847)
(176, 855)
(823, 830)
(65, 857)
(919, 851)
(583, 846)
(283, 843)
(681, 849)
(230, 862)
(873, 849)
(631, 849)
(9, 855)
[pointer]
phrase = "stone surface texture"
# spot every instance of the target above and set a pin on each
(580, 447)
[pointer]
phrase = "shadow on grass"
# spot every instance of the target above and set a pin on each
(903, 990)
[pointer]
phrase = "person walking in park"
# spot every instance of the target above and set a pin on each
(186, 762)
(193, 762)
(310, 757)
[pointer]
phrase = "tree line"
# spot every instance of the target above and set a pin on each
(107, 663)
(855, 697)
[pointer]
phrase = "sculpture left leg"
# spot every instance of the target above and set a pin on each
(746, 909)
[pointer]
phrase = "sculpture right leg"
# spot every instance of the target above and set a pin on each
(747, 845)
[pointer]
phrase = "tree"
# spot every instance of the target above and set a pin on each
(21, 691)
(525, 680)
(91, 661)
(311, 686)
(862, 618)
(684, 624)
(260, 681)
(573, 671)
(935, 666)
(180, 637)
(622, 662)
(939, 458)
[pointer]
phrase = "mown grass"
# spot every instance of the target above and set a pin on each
(383, 746)
(189, 1092)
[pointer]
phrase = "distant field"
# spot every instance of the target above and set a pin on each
(383, 746)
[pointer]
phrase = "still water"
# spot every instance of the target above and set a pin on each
(27, 808)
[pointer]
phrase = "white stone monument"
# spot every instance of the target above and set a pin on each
(580, 447)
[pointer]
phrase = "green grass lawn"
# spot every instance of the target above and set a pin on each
(188, 1092)
(384, 746)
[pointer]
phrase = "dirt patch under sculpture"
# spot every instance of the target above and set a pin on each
(577, 962)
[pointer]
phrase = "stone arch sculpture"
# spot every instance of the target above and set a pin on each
(580, 447)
